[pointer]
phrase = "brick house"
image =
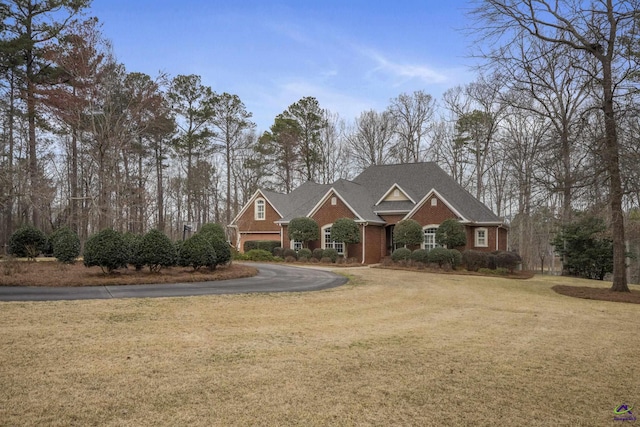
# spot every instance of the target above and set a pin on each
(376, 199)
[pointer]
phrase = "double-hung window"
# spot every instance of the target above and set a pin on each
(481, 240)
(327, 243)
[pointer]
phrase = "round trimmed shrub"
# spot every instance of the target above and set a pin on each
(222, 250)
(66, 246)
(27, 241)
(451, 234)
(317, 253)
(330, 253)
(401, 254)
(157, 250)
(134, 250)
(408, 232)
(475, 260)
(326, 260)
(214, 230)
(197, 251)
(304, 254)
(259, 255)
(420, 255)
(290, 253)
(106, 249)
(277, 251)
(439, 256)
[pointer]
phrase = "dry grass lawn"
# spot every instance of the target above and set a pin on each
(390, 348)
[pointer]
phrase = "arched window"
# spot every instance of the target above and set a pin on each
(327, 243)
(430, 237)
(259, 209)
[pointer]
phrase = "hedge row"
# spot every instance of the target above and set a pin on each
(440, 256)
(473, 260)
(111, 250)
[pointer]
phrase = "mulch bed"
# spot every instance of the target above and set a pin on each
(53, 274)
(601, 294)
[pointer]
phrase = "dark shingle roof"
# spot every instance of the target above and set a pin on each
(362, 194)
(418, 179)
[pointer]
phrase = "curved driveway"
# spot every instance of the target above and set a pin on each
(270, 278)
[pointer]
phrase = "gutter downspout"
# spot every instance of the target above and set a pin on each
(364, 241)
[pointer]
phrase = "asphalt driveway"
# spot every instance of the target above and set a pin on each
(270, 278)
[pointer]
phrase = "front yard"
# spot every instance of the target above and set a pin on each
(391, 348)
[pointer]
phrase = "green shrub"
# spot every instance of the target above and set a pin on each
(420, 255)
(326, 260)
(317, 253)
(277, 252)
(507, 260)
(304, 254)
(214, 230)
(474, 260)
(303, 229)
(48, 247)
(222, 250)
(259, 255)
(401, 254)
(408, 232)
(197, 251)
(330, 253)
(455, 258)
(157, 250)
(106, 249)
(451, 234)
(439, 256)
(133, 246)
(66, 246)
(289, 253)
(27, 241)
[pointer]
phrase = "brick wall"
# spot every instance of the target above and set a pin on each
(247, 222)
(428, 214)
(328, 213)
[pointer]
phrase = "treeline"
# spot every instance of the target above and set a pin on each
(87, 144)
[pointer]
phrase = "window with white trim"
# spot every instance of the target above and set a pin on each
(296, 245)
(327, 243)
(434, 201)
(430, 237)
(259, 210)
(482, 239)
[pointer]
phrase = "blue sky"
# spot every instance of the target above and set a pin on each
(351, 55)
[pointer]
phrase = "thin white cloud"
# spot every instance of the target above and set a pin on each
(403, 72)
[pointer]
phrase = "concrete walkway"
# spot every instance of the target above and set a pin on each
(270, 278)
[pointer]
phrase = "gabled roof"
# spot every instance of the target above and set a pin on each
(395, 186)
(418, 179)
(365, 195)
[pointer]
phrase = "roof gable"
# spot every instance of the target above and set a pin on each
(395, 194)
(431, 193)
(332, 193)
(258, 194)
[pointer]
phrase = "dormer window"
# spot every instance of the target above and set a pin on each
(260, 210)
